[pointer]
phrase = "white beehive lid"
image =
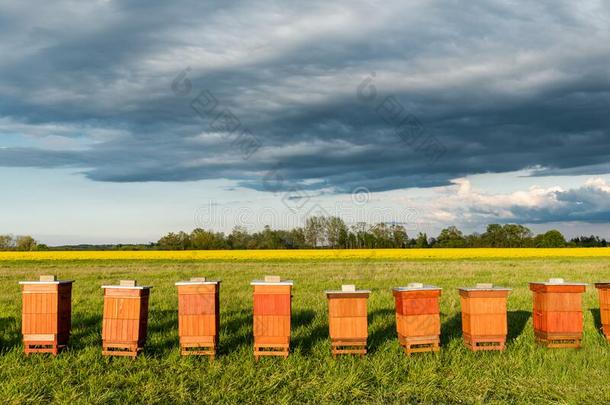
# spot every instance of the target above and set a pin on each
(272, 280)
(417, 287)
(47, 279)
(485, 287)
(127, 285)
(348, 289)
(198, 281)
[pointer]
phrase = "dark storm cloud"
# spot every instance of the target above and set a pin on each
(500, 87)
(588, 204)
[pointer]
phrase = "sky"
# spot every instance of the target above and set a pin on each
(123, 120)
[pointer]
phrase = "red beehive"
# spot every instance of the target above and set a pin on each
(198, 316)
(347, 320)
(125, 318)
(484, 320)
(272, 308)
(46, 314)
(558, 312)
(418, 320)
(603, 289)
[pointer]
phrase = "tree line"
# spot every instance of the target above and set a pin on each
(333, 233)
(21, 243)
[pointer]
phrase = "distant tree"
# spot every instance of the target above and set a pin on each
(588, 241)
(494, 236)
(400, 238)
(315, 230)
(517, 235)
(550, 239)
(270, 239)
(239, 238)
(25, 243)
(474, 240)
(7, 242)
(296, 239)
(171, 241)
(336, 232)
(382, 236)
(360, 235)
(450, 238)
(203, 240)
(421, 241)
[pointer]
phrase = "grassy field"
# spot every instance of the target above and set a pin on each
(524, 373)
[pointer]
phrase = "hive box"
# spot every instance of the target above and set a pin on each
(347, 320)
(558, 312)
(198, 316)
(418, 320)
(46, 314)
(484, 319)
(125, 318)
(271, 316)
(603, 289)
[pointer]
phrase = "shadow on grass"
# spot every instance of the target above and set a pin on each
(236, 330)
(9, 333)
(162, 332)
(597, 320)
(308, 338)
(86, 331)
(451, 329)
(516, 323)
(386, 332)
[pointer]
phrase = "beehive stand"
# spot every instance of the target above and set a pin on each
(603, 289)
(347, 320)
(198, 316)
(46, 315)
(125, 322)
(272, 316)
(484, 318)
(418, 321)
(557, 314)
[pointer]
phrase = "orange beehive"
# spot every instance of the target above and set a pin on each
(484, 320)
(558, 312)
(347, 320)
(418, 320)
(198, 316)
(125, 318)
(46, 314)
(272, 308)
(604, 306)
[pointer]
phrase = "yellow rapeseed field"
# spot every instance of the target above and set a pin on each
(310, 254)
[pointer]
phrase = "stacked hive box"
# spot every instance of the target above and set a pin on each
(484, 323)
(46, 314)
(347, 320)
(558, 312)
(198, 316)
(272, 309)
(603, 289)
(125, 318)
(418, 320)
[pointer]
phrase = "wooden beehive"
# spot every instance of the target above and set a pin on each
(271, 316)
(558, 312)
(347, 320)
(46, 314)
(603, 289)
(125, 318)
(484, 318)
(418, 320)
(198, 316)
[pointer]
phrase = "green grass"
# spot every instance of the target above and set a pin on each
(523, 373)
